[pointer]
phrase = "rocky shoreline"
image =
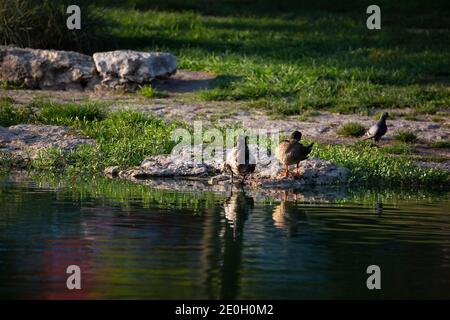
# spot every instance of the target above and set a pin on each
(169, 170)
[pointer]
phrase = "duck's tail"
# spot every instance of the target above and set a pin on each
(309, 148)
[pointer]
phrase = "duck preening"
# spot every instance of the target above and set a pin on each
(240, 161)
(377, 130)
(291, 151)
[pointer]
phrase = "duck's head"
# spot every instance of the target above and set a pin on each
(384, 116)
(296, 135)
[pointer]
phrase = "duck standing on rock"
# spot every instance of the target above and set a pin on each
(292, 151)
(240, 161)
(377, 130)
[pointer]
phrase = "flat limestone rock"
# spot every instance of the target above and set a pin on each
(267, 174)
(23, 142)
(125, 69)
(47, 69)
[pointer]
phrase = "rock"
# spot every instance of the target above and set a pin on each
(126, 69)
(25, 141)
(47, 69)
(112, 172)
(217, 179)
(267, 172)
(433, 126)
(170, 166)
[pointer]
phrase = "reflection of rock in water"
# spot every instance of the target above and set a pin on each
(287, 216)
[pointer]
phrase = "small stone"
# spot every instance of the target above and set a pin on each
(112, 171)
(433, 126)
(217, 179)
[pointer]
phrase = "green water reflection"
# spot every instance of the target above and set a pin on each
(132, 241)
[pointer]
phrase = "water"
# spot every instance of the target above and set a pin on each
(135, 242)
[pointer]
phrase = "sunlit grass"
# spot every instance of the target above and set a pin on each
(310, 61)
(406, 136)
(125, 138)
(352, 129)
(149, 92)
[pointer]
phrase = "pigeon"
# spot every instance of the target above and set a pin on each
(377, 130)
(292, 151)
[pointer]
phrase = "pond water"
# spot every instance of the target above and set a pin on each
(133, 241)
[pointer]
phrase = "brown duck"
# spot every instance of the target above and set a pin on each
(292, 151)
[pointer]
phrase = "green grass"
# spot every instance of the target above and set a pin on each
(149, 92)
(125, 138)
(6, 100)
(11, 115)
(406, 136)
(306, 59)
(66, 114)
(283, 57)
(11, 85)
(440, 144)
(376, 166)
(399, 148)
(308, 115)
(352, 129)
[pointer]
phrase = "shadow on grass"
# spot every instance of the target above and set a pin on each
(185, 81)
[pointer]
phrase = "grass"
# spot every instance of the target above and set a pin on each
(352, 129)
(406, 136)
(283, 57)
(149, 92)
(399, 148)
(125, 138)
(440, 144)
(11, 85)
(329, 60)
(22, 24)
(10, 115)
(308, 115)
(376, 166)
(67, 114)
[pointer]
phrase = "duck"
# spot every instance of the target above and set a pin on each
(292, 151)
(240, 161)
(377, 130)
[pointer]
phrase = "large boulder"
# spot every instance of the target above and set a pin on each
(126, 69)
(47, 69)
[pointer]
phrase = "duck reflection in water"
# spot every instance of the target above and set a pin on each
(287, 215)
(237, 208)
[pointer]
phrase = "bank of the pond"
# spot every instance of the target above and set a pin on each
(126, 138)
(181, 194)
